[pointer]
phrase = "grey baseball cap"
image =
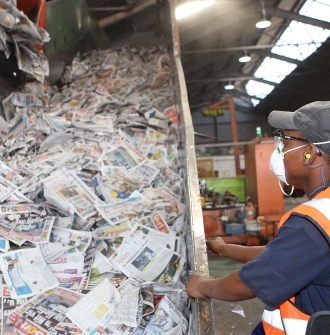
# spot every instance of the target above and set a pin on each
(313, 121)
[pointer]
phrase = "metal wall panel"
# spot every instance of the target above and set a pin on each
(196, 247)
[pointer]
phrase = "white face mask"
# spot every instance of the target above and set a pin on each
(277, 162)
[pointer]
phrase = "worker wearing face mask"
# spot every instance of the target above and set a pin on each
(291, 274)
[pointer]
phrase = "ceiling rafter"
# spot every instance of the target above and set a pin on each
(131, 10)
(297, 17)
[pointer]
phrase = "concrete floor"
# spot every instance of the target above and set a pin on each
(226, 321)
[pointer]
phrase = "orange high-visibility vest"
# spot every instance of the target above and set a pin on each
(286, 319)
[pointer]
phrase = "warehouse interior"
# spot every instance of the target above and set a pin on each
(212, 41)
(233, 140)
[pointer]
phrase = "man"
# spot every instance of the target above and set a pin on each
(291, 275)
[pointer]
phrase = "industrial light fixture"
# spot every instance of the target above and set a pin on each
(245, 58)
(229, 86)
(191, 7)
(263, 23)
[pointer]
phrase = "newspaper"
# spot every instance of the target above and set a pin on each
(97, 161)
(10, 176)
(95, 309)
(114, 278)
(165, 319)
(148, 302)
(43, 313)
(144, 172)
(172, 114)
(167, 240)
(94, 125)
(134, 207)
(156, 221)
(168, 200)
(115, 187)
(88, 263)
(8, 306)
(66, 327)
(101, 264)
(4, 244)
(47, 162)
(64, 222)
(11, 228)
(147, 260)
(72, 270)
(109, 231)
(65, 190)
(71, 238)
(31, 227)
(90, 151)
(124, 155)
(85, 225)
(127, 309)
(26, 273)
(25, 34)
(6, 190)
(68, 274)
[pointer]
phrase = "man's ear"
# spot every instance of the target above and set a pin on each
(309, 154)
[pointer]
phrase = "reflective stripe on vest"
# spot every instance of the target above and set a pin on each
(273, 318)
(295, 326)
(287, 319)
(322, 205)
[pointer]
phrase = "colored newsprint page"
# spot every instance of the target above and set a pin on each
(147, 260)
(95, 309)
(8, 306)
(165, 318)
(26, 273)
(44, 312)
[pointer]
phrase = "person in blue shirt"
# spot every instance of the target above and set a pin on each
(291, 274)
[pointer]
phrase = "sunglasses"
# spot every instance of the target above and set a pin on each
(279, 136)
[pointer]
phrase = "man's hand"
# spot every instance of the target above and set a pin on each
(215, 246)
(195, 285)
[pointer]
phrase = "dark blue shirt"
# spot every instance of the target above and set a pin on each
(296, 262)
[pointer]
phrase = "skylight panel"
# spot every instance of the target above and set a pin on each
(260, 90)
(316, 9)
(255, 102)
(300, 37)
(291, 51)
(298, 41)
(274, 70)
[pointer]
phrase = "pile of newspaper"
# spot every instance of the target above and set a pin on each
(19, 35)
(91, 191)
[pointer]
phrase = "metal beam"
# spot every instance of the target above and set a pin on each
(227, 144)
(212, 80)
(242, 48)
(203, 104)
(105, 9)
(135, 8)
(280, 57)
(219, 79)
(235, 93)
(297, 17)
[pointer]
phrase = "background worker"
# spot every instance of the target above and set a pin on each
(291, 274)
